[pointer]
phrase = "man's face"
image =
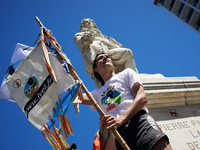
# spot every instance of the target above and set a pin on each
(103, 62)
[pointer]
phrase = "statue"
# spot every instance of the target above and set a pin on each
(91, 42)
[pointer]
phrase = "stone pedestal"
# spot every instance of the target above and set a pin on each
(174, 103)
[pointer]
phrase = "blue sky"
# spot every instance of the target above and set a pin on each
(159, 41)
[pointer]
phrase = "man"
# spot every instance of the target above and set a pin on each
(123, 100)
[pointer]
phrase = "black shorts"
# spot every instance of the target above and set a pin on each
(140, 132)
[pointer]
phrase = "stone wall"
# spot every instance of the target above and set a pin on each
(175, 105)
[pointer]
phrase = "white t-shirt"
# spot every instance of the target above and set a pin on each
(115, 96)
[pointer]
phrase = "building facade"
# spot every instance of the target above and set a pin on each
(188, 11)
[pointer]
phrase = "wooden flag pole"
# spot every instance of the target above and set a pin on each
(100, 111)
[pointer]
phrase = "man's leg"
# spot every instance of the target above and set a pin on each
(162, 144)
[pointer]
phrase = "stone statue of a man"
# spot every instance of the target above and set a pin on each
(91, 42)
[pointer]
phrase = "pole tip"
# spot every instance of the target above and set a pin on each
(39, 22)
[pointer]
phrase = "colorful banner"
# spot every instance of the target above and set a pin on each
(34, 89)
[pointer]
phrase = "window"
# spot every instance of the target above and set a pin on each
(180, 9)
(189, 15)
(162, 2)
(171, 5)
(195, 2)
(197, 24)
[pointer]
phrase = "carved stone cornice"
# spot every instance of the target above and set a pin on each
(170, 91)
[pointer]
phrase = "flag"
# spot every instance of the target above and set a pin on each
(34, 89)
(41, 85)
(21, 52)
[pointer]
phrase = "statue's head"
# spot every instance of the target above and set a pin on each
(87, 24)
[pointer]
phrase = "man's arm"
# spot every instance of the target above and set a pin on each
(138, 103)
(86, 100)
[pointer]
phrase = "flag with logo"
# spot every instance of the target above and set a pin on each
(34, 89)
(43, 88)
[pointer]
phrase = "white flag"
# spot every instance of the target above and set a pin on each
(21, 52)
(33, 88)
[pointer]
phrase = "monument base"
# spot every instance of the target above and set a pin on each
(174, 103)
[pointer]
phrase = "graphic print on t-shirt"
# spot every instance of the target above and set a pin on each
(111, 97)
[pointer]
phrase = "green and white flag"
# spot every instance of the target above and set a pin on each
(33, 88)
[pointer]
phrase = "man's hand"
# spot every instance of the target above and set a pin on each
(109, 122)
